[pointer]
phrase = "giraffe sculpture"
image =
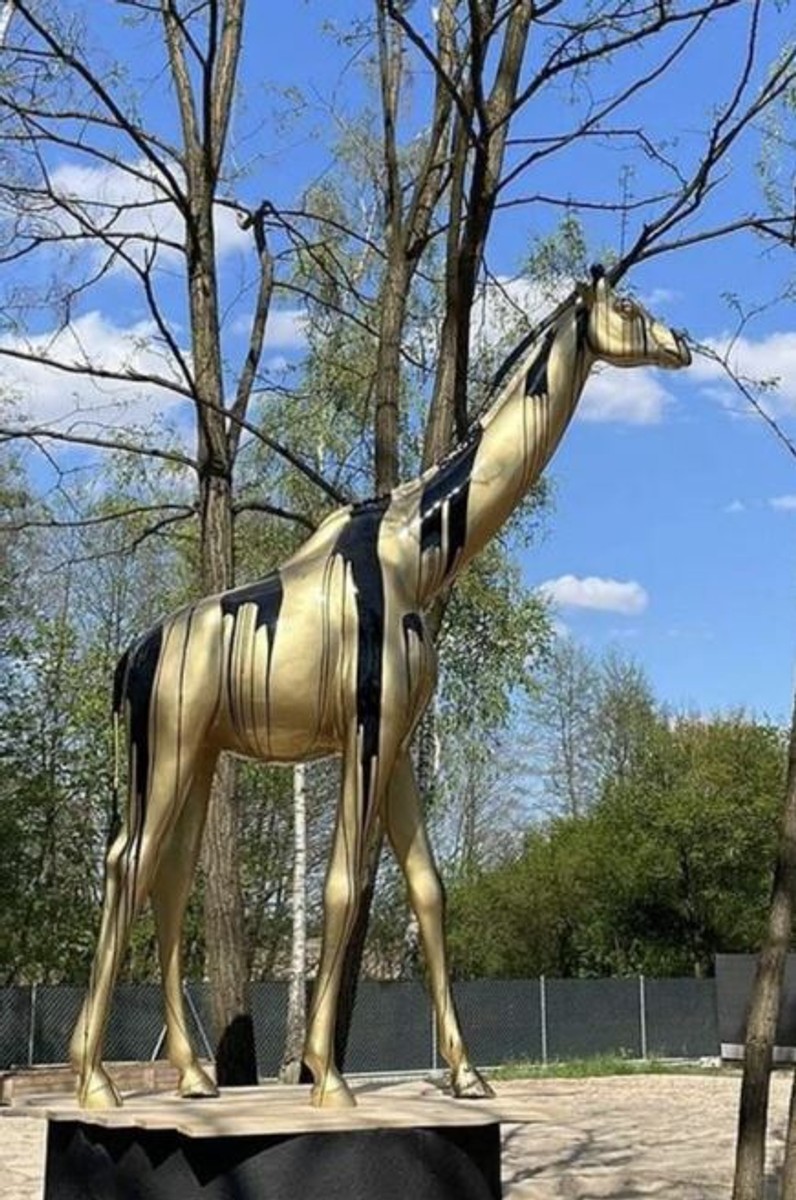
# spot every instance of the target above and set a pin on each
(330, 654)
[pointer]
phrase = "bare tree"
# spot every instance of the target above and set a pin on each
(485, 83)
(482, 151)
(165, 207)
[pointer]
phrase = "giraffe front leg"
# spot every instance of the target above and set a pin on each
(341, 896)
(407, 833)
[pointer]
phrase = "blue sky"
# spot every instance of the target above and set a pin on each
(672, 533)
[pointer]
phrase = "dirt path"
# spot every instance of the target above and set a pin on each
(622, 1137)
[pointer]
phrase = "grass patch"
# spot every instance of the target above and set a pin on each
(596, 1066)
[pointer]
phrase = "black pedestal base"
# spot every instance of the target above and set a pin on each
(87, 1161)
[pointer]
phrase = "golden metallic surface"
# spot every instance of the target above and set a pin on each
(330, 654)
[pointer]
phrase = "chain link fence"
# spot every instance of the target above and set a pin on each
(393, 1028)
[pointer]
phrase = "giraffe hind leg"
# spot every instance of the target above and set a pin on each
(95, 1088)
(170, 893)
(407, 834)
(130, 870)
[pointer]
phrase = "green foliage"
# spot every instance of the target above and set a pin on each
(597, 1067)
(495, 629)
(559, 256)
(671, 865)
(54, 797)
(72, 599)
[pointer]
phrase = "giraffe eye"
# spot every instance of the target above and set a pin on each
(625, 308)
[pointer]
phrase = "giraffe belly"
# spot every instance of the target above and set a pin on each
(277, 693)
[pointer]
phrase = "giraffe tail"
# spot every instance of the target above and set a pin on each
(119, 690)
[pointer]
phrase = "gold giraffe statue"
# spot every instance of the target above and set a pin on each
(330, 654)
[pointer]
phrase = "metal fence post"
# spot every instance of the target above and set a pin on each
(433, 1038)
(642, 1012)
(158, 1044)
(32, 1029)
(543, 1015)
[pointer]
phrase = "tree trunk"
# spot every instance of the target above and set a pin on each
(388, 374)
(225, 930)
(290, 1071)
(406, 228)
(764, 1011)
(227, 966)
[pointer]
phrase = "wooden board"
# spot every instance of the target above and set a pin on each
(271, 1108)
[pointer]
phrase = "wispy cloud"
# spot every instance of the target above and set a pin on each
(784, 503)
(735, 506)
(130, 201)
(593, 592)
(770, 360)
(286, 329)
(45, 395)
(659, 297)
(633, 397)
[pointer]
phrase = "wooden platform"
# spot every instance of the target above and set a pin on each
(269, 1141)
(19, 1084)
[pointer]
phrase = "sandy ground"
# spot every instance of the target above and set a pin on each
(621, 1137)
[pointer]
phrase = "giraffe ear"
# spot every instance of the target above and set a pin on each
(599, 279)
(585, 293)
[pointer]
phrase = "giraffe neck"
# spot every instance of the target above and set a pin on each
(466, 499)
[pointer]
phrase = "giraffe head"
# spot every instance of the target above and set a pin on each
(620, 332)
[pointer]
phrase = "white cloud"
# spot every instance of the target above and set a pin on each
(592, 592)
(286, 329)
(735, 506)
(659, 297)
(634, 397)
(128, 200)
(783, 503)
(772, 359)
(505, 308)
(45, 395)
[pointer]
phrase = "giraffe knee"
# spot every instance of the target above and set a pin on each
(426, 893)
(340, 893)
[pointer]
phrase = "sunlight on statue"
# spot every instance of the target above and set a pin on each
(330, 655)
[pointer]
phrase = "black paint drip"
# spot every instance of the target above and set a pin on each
(134, 681)
(358, 546)
(536, 379)
(266, 595)
(444, 500)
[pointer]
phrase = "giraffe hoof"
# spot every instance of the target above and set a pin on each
(469, 1084)
(332, 1093)
(196, 1084)
(97, 1090)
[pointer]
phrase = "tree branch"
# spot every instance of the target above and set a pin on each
(262, 305)
(70, 60)
(9, 433)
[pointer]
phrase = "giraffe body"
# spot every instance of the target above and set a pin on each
(330, 654)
